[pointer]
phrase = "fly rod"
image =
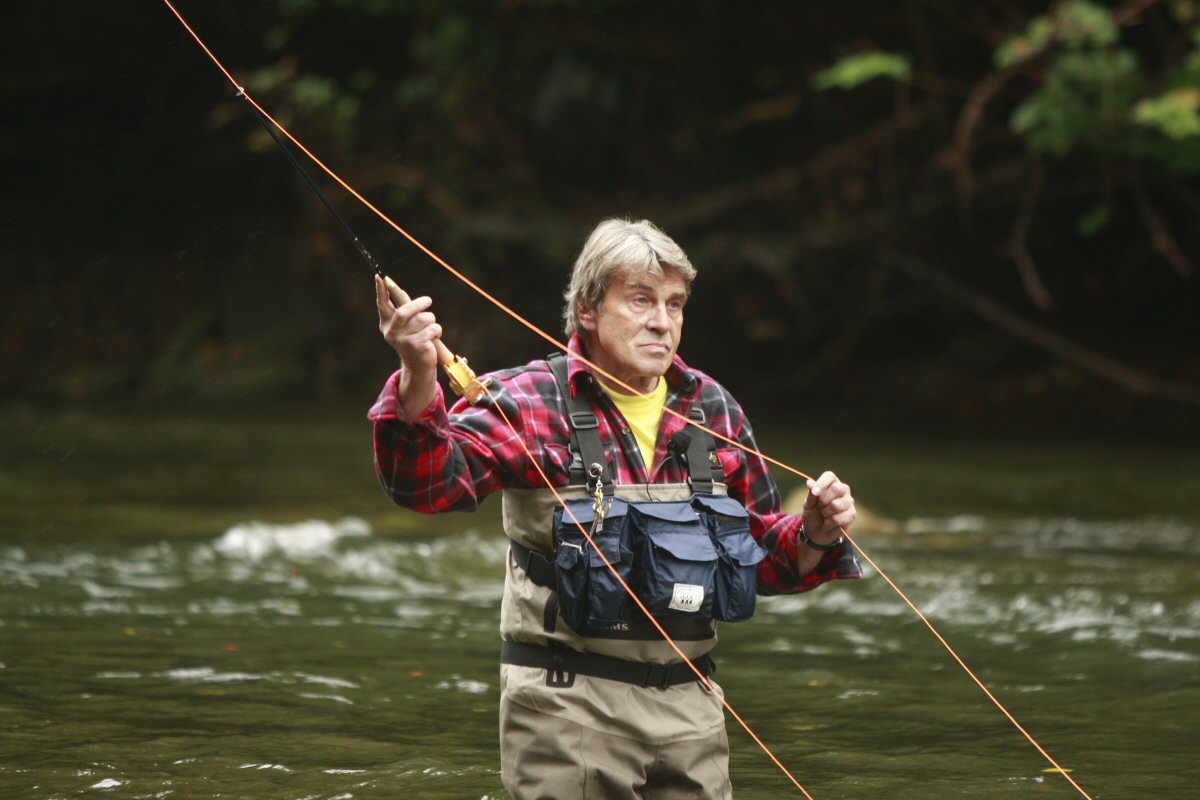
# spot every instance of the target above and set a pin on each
(461, 376)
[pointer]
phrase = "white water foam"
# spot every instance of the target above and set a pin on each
(255, 541)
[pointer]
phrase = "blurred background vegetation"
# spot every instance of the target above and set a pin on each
(899, 209)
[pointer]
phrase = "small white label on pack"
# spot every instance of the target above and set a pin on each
(687, 597)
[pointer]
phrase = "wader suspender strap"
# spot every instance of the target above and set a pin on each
(699, 453)
(586, 447)
(701, 456)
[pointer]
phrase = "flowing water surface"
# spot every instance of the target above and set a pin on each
(230, 608)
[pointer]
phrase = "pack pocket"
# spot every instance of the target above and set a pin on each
(678, 559)
(587, 590)
(728, 526)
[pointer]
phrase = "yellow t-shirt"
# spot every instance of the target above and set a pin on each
(643, 413)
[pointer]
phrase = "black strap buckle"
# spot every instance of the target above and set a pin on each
(658, 676)
(557, 677)
(584, 421)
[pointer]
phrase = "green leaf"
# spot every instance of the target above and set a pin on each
(1192, 62)
(1081, 23)
(1026, 44)
(1094, 221)
(855, 70)
(1176, 114)
(1085, 98)
(1076, 25)
(1184, 11)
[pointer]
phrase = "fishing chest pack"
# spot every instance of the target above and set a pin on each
(692, 558)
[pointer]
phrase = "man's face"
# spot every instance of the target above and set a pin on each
(634, 333)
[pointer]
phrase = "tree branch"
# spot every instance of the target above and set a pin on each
(964, 133)
(829, 161)
(1018, 242)
(1160, 237)
(986, 89)
(1096, 363)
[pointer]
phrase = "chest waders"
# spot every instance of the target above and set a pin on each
(690, 557)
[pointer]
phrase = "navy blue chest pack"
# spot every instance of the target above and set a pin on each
(692, 558)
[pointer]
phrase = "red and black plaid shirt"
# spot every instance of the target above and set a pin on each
(451, 462)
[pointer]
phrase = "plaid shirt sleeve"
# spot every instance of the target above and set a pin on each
(451, 460)
(749, 481)
(448, 461)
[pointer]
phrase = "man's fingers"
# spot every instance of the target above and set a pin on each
(383, 303)
(426, 334)
(836, 505)
(830, 504)
(406, 311)
(415, 312)
(822, 484)
(411, 319)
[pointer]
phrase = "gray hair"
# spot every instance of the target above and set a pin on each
(620, 247)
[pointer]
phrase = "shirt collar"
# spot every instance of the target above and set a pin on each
(679, 376)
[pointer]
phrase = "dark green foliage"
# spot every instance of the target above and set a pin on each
(158, 242)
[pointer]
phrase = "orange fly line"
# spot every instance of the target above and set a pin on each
(559, 345)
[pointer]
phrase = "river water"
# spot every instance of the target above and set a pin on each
(227, 606)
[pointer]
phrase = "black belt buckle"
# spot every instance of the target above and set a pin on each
(557, 677)
(658, 676)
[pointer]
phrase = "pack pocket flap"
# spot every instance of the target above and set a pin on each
(721, 504)
(569, 556)
(684, 545)
(668, 512)
(610, 546)
(585, 512)
(743, 549)
(573, 553)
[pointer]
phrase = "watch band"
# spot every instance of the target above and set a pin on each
(824, 548)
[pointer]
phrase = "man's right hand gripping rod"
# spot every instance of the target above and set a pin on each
(462, 377)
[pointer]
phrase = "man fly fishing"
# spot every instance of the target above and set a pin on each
(595, 702)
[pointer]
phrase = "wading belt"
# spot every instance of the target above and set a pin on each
(562, 665)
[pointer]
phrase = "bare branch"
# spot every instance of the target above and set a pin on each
(767, 109)
(1096, 363)
(1160, 237)
(830, 161)
(964, 133)
(1129, 13)
(1018, 247)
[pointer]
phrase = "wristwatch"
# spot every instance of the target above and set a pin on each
(824, 548)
